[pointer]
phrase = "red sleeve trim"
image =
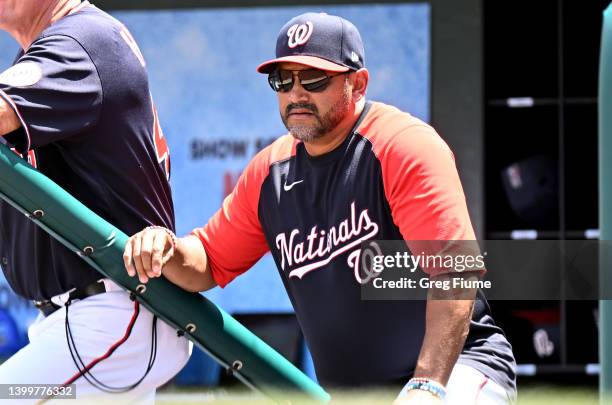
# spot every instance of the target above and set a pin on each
(14, 107)
(233, 238)
(420, 179)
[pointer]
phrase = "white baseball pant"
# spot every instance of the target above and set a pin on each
(468, 386)
(98, 323)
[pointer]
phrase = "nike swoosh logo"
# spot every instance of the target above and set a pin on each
(290, 186)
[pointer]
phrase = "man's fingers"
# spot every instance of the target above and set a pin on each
(127, 258)
(157, 258)
(137, 258)
(146, 251)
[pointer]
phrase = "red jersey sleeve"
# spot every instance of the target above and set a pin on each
(423, 188)
(421, 182)
(233, 238)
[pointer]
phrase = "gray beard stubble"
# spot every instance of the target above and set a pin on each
(326, 124)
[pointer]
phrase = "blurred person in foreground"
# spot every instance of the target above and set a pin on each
(76, 104)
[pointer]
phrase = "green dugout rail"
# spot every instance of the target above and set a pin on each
(605, 207)
(101, 245)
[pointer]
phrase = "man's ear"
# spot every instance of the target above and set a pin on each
(360, 83)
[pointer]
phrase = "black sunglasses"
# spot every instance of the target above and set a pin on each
(313, 80)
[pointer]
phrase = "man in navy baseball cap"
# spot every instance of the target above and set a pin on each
(324, 54)
(320, 41)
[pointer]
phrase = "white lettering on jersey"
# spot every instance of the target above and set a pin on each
(325, 244)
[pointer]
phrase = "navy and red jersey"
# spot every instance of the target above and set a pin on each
(393, 178)
(88, 122)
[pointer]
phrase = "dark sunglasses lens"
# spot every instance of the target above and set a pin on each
(311, 80)
(319, 85)
(314, 80)
(285, 78)
(275, 82)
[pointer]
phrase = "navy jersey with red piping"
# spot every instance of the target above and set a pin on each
(393, 178)
(88, 122)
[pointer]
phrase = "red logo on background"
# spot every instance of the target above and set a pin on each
(299, 34)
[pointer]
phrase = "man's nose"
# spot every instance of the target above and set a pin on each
(298, 93)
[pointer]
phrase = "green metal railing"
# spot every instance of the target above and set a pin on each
(101, 245)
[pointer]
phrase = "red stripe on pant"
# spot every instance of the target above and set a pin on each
(106, 355)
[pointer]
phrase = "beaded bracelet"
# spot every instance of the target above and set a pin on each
(426, 384)
(168, 231)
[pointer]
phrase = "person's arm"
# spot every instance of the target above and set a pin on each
(447, 323)
(447, 326)
(182, 261)
(228, 245)
(8, 119)
(53, 92)
(428, 204)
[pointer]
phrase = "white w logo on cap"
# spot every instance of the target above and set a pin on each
(299, 34)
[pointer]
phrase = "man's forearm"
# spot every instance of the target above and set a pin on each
(188, 268)
(446, 327)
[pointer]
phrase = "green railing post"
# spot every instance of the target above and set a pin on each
(605, 209)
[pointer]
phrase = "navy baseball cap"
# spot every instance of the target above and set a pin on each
(318, 40)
